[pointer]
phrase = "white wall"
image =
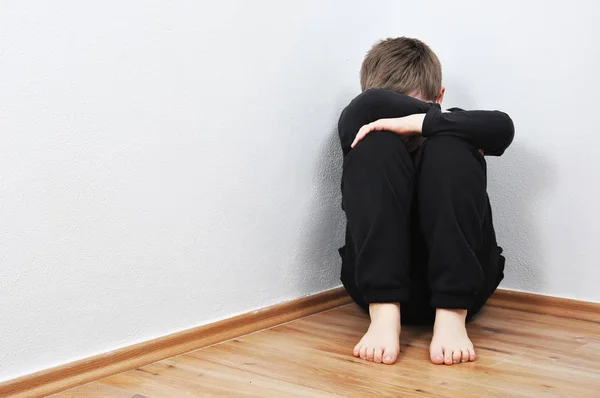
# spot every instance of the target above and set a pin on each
(539, 62)
(165, 164)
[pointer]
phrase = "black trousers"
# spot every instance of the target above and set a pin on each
(419, 228)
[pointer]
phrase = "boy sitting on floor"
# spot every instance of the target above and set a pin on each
(420, 243)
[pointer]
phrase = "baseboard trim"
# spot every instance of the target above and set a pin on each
(546, 305)
(77, 373)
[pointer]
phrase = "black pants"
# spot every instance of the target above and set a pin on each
(419, 228)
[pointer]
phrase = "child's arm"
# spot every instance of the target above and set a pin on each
(372, 105)
(490, 131)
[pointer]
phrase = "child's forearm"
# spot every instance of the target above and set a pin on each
(376, 110)
(373, 105)
(491, 131)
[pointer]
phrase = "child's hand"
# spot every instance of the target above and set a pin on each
(408, 125)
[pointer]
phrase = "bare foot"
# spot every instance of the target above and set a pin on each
(450, 343)
(381, 343)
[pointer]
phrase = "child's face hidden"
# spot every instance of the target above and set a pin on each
(438, 99)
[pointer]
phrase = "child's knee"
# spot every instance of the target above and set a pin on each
(379, 163)
(453, 152)
(382, 149)
(452, 175)
(361, 110)
(452, 161)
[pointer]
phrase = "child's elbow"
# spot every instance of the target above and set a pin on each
(509, 131)
(505, 130)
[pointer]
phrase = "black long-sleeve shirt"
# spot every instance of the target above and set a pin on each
(490, 131)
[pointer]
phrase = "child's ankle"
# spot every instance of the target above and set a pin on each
(451, 314)
(384, 310)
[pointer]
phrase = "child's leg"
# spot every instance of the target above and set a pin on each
(377, 189)
(453, 209)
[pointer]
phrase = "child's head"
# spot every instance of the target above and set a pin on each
(404, 65)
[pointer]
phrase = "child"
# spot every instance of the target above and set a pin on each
(420, 244)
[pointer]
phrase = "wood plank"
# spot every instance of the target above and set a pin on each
(525, 355)
(216, 378)
(77, 373)
(519, 355)
(347, 318)
(99, 390)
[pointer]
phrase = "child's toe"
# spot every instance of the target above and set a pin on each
(370, 352)
(472, 355)
(456, 355)
(363, 352)
(389, 356)
(378, 355)
(356, 351)
(448, 356)
(437, 355)
(464, 355)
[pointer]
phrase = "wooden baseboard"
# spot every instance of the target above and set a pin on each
(547, 305)
(88, 370)
(85, 371)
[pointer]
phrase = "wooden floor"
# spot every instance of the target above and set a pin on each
(518, 355)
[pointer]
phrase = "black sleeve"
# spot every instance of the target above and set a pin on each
(491, 131)
(372, 105)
